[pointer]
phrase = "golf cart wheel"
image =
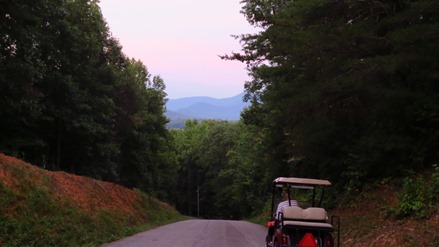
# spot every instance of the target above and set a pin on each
(328, 241)
(269, 241)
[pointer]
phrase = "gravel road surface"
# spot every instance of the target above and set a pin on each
(198, 233)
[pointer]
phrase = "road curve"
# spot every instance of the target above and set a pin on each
(198, 233)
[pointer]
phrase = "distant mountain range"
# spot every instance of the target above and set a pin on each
(179, 110)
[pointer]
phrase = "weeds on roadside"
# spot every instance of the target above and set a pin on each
(419, 195)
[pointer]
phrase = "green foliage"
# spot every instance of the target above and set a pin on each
(343, 89)
(418, 196)
(217, 163)
(71, 100)
(413, 198)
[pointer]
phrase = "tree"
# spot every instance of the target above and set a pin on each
(218, 166)
(146, 160)
(21, 70)
(79, 111)
(71, 100)
(339, 86)
(242, 180)
(187, 143)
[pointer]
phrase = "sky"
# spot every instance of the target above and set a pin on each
(181, 42)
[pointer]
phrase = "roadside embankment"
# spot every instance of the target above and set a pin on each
(47, 208)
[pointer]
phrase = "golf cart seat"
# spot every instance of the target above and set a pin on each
(310, 218)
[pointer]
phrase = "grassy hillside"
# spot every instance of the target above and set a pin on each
(45, 208)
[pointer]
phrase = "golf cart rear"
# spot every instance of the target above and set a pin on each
(302, 225)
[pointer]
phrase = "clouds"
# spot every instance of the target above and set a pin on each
(181, 41)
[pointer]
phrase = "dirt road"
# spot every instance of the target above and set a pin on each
(198, 233)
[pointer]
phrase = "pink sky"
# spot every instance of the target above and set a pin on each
(181, 40)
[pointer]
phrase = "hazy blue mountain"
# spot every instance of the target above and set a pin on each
(176, 104)
(205, 108)
(174, 115)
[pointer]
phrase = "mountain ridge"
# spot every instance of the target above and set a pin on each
(204, 107)
(175, 104)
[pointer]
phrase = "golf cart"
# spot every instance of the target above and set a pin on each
(302, 225)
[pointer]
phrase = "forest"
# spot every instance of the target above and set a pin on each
(344, 90)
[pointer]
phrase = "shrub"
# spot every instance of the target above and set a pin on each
(419, 195)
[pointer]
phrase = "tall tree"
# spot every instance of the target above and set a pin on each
(146, 161)
(220, 176)
(340, 87)
(71, 100)
(187, 143)
(22, 67)
(79, 111)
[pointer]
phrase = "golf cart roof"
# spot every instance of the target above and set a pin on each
(302, 181)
